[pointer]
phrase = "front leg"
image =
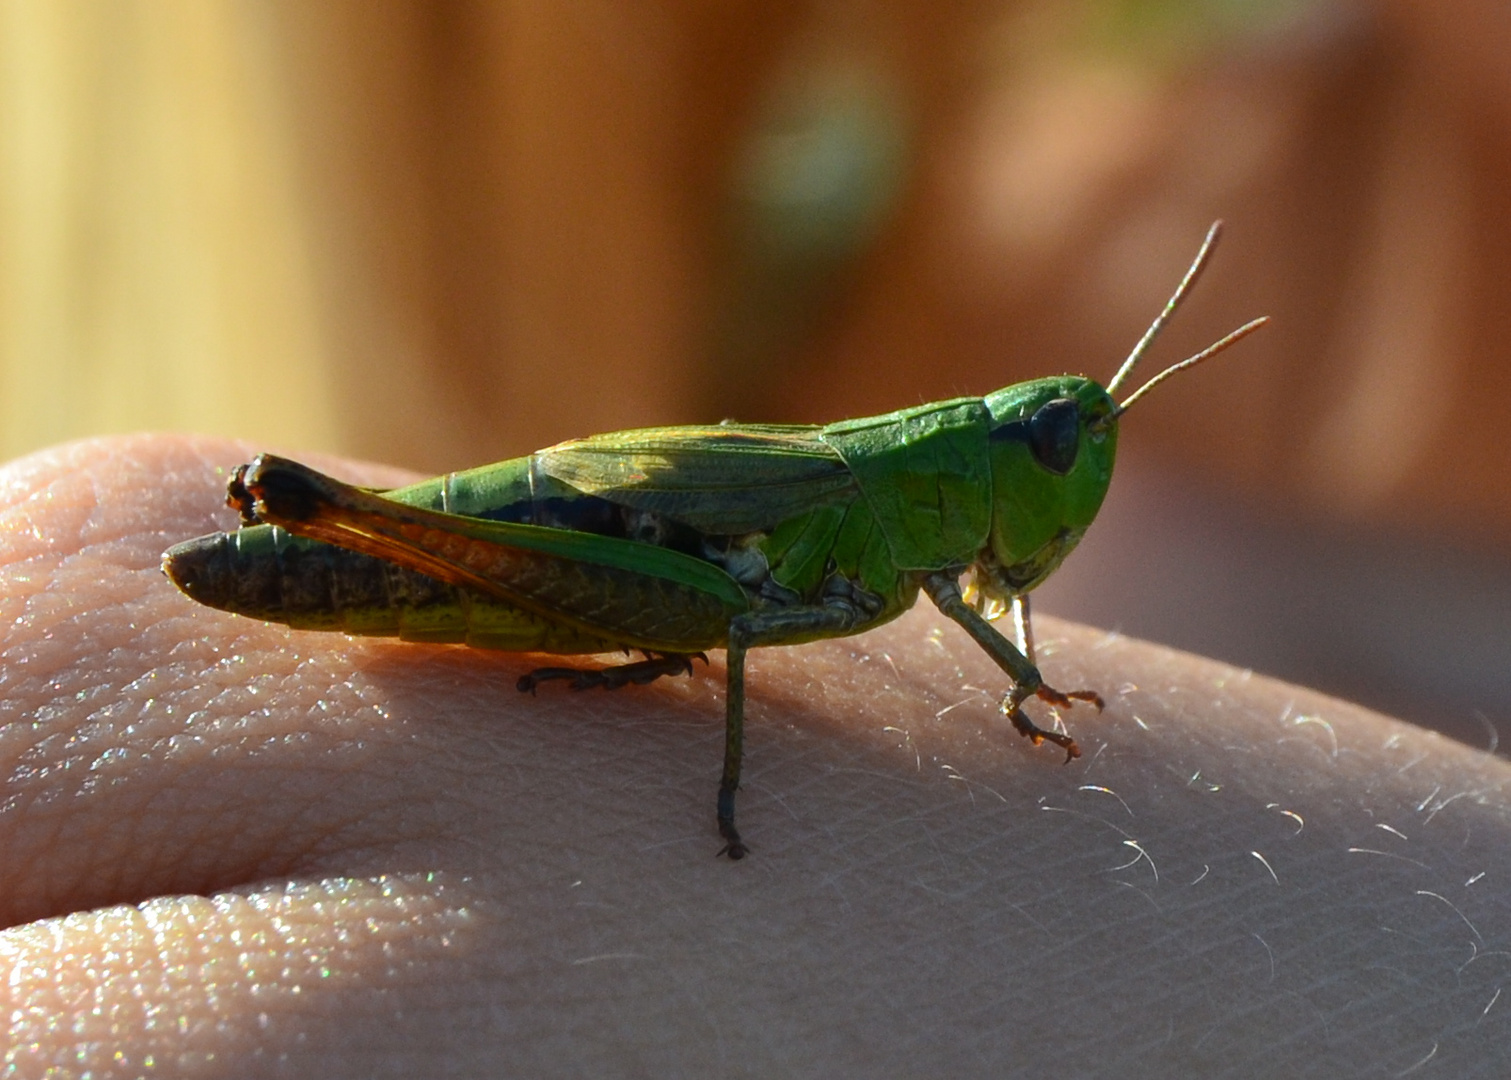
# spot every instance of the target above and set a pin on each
(944, 590)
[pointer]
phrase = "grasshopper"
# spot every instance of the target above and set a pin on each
(676, 540)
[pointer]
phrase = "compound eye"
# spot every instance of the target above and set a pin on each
(1054, 435)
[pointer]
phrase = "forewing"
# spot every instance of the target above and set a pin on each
(632, 593)
(725, 479)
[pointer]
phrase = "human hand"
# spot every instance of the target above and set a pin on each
(235, 850)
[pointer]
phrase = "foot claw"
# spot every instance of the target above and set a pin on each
(1066, 699)
(1037, 735)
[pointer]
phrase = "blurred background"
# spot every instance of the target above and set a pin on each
(438, 234)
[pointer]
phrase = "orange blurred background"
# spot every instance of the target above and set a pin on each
(438, 234)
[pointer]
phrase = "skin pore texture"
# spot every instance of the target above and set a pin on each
(231, 849)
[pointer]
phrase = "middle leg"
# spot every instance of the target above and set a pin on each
(773, 627)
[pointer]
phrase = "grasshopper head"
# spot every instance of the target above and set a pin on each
(1052, 445)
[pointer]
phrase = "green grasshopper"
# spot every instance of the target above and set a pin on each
(673, 541)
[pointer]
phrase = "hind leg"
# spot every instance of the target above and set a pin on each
(639, 673)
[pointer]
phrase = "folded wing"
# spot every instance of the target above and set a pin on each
(724, 479)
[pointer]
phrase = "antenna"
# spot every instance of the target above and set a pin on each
(1197, 266)
(1191, 361)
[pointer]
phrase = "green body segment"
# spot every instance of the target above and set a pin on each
(265, 572)
(546, 589)
(1038, 516)
(927, 476)
(655, 539)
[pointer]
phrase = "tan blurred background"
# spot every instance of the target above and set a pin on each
(438, 234)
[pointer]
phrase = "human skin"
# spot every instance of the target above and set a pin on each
(231, 849)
